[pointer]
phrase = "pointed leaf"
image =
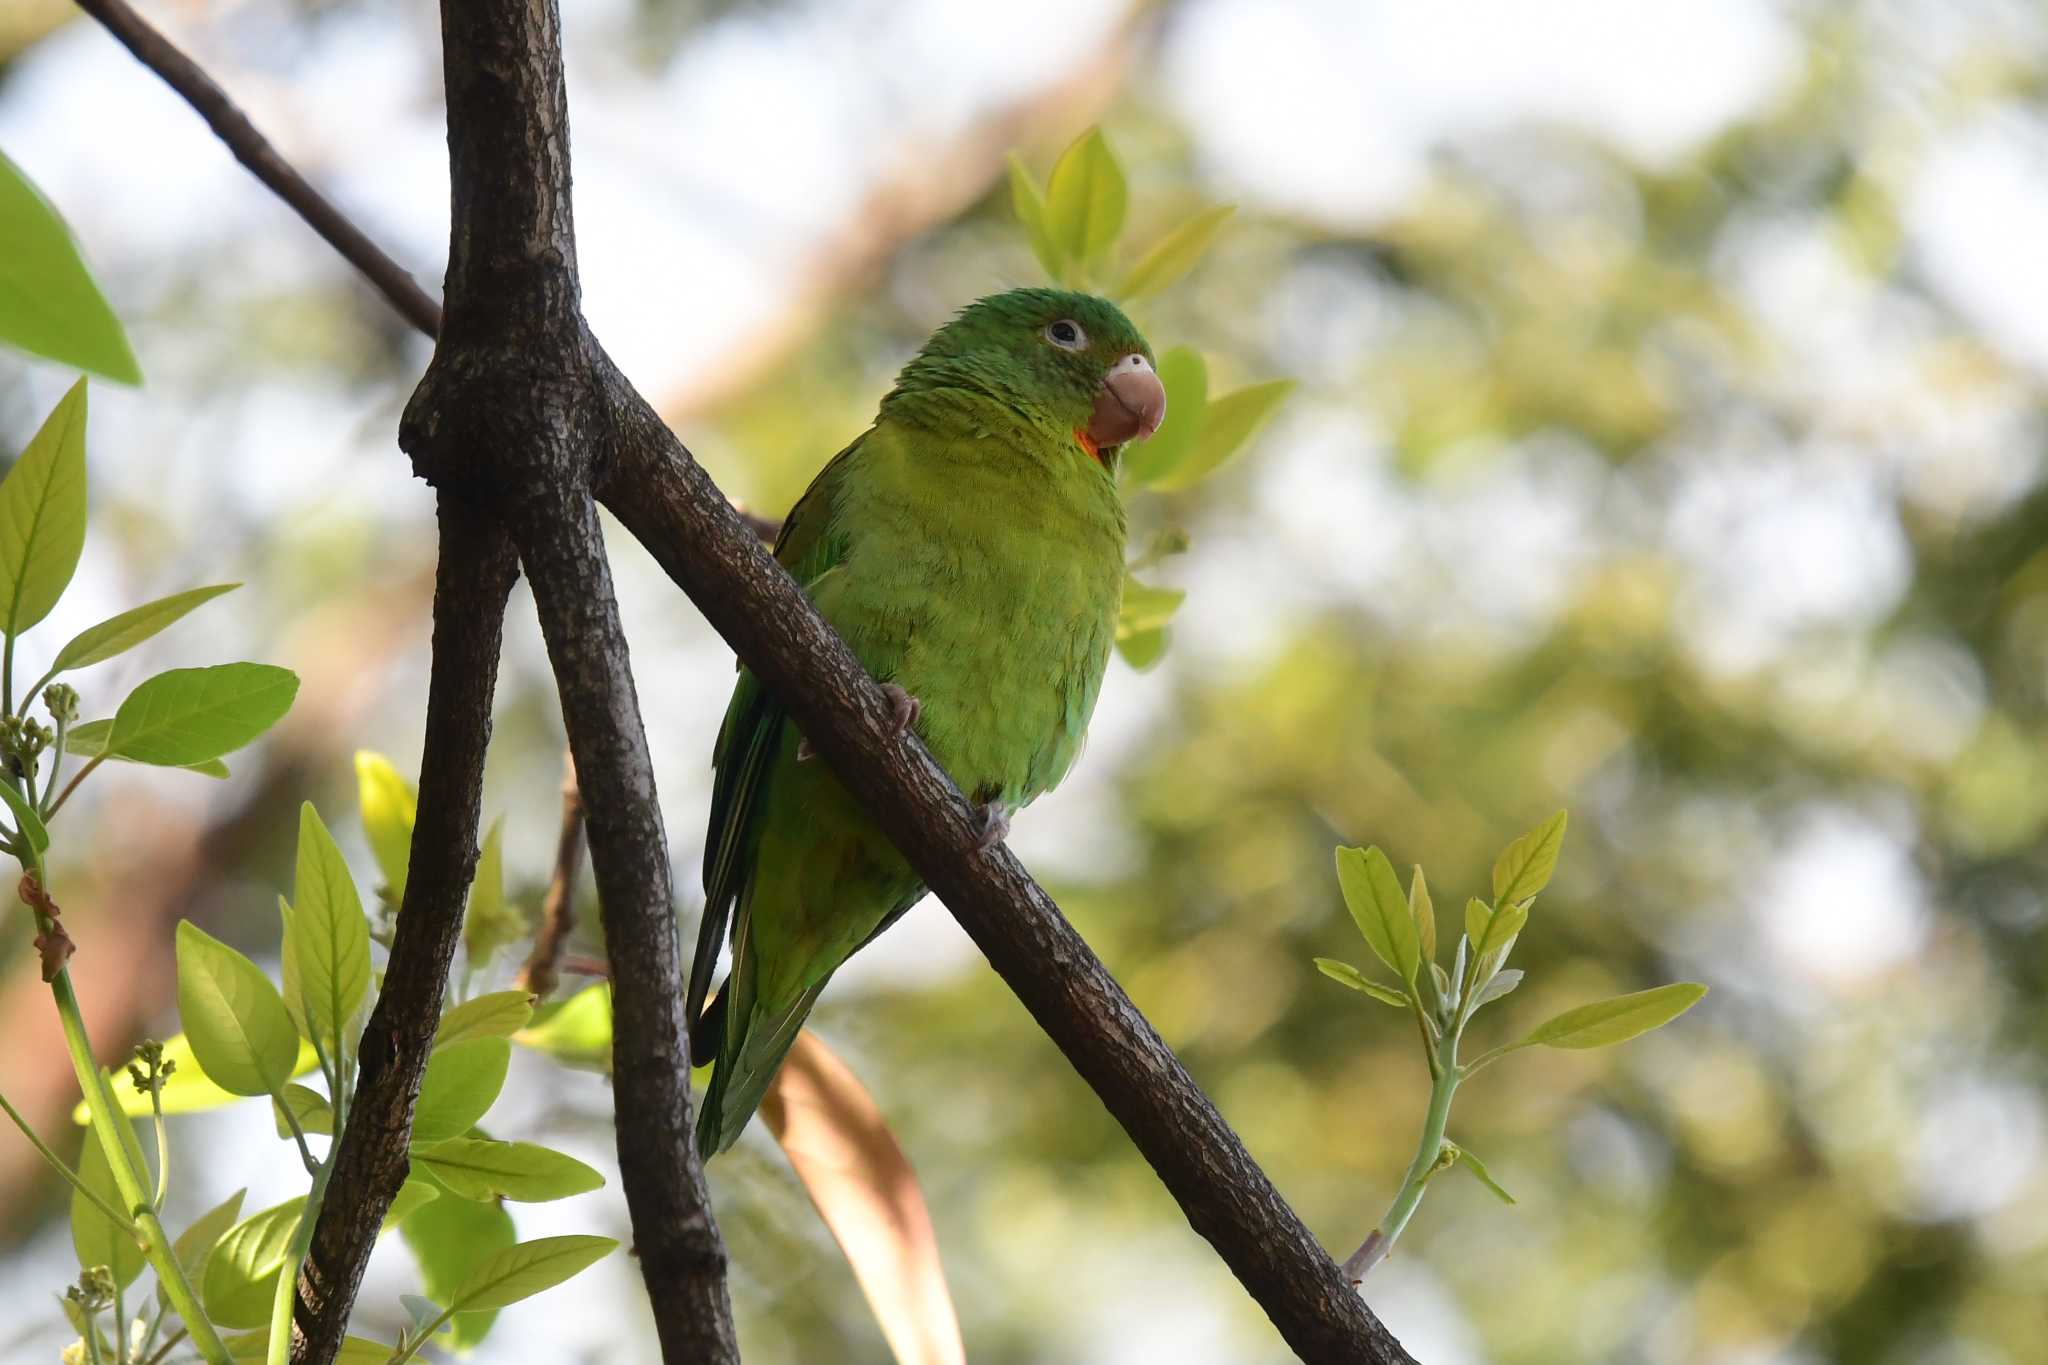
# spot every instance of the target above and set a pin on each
(330, 940)
(189, 715)
(1478, 914)
(491, 923)
(1029, 205)
(1500, 985)
(1146, 608)
(482, 1168)
(1142, 649)
(1424, 912)
(1617, 1020)
(196, 1242)
(26, 818)
(410, 1196)
(575, 1032)
(1174, 255)
(462, 1082)
(1501, 932)
(240, 1031)
(89, 740)
(49, 304)
(241, 1274)
(1186, 380)
(97, 1239)
(1227, 424)
(864, 1188)
(308, 1106)
(520, 1272)
(389, 805)
(450, 1238)
(1524, 866)
(1085, 199)
(118, 634)
(497, 1015)
(1349, 975)
(42, 511)
(1483, 1176)
(1373, 896)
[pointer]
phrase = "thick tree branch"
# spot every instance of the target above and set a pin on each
(476, 573)
(667, 500)
(253, 150)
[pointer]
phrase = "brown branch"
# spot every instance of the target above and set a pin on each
(558, 907)
(253, 150)
(476, 572)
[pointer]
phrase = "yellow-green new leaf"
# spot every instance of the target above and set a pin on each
(1186, 380)
(1346, 974)
(1028, 203)
(96, 1237)
(1482, 1175)
(308, 1106)
(450, 1238)
(1373, 895)
(1146, 607)
(462, 1082)
(187, 1090)
(42, 514)
(1142, 649)
(49, 304)
(490, 923)
(520, 1272)
(241, 1274)
(1085, 199)
(497, 1015)
(1174, 255)
(483, 1168)
(1478, 914)
(240, 1032)
(330, 939)
(410, 1196)
(389, 806)
(1607, 1022)
(1424, 913)
(197, 1241)
(1524, 866)
(578, 1031)
(118, 634)
(1228, 423)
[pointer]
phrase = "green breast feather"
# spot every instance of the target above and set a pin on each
(969, 548)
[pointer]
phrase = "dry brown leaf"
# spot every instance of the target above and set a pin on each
(856, 1174)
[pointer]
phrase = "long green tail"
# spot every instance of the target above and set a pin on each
(751, 1044)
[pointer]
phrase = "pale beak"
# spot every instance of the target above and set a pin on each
(1130, 405)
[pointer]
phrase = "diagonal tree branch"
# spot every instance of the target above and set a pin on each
(476, 573)
(558, 908)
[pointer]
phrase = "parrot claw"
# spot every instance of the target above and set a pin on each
(804, 752)
(995, 826)
(905, 706)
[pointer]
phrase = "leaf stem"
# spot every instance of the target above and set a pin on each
(82, 774)
(1444, 1077)
(288, 1279)
(170, 1344)
(120, 1219)
(313, 1168)
(413, 1344)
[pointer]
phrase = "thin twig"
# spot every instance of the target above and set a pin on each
(558, 909)
(253, 150)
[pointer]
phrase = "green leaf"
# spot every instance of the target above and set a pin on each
(118, 634)
(389, 805)
(1373, 896)
(520, 1272)
(190, 715)
(1029, 205)
(239, 1029)
(1227, 423)
(1502, 930)
(576, 1032)
(497, 1015)
(450, 1238)
(1478, 914)
(1480, 1173)
(49, 304)
(241, 1274)
(1174, 255)
(26, 819)
(1186, 380)
(1146, 607)
(187, 1090)
(1085, 199)
(1142, 649)
(1346, 974)
(42, 514)
(1617, 1020)
(462, 1081)
(1524, 866)
(253, 1348)
(481, 1168)
(410, 1196)
(196, 1242)
(490, 923)
(89, 740)
(308, 1106)
(96, 1237)
(330, 938)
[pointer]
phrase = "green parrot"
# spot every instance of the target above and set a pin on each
(969, 547)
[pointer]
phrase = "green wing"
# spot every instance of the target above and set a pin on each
(810, 546)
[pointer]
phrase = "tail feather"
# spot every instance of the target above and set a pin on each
(751, 1045)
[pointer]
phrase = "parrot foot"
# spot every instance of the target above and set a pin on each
(995, 826)
(904, 706)
(904, 710)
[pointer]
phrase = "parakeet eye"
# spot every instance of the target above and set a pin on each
(1066, 335)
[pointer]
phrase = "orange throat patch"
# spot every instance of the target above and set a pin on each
(1087, 443)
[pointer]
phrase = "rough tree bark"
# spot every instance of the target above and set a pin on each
(523, 408)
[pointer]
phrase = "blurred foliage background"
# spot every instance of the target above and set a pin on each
(1669, 447)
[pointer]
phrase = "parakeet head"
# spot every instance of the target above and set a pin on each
(1069, 364)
